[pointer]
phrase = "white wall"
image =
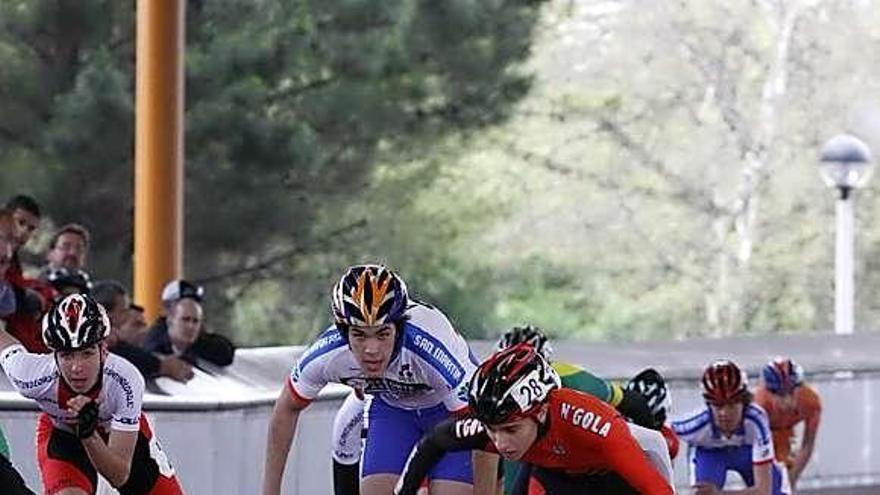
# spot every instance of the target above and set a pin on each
(219, 450)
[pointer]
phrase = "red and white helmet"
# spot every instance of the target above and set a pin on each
(76, 322)
(511, 384)
(724, 382)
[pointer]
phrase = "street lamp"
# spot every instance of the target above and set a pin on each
(845, 164)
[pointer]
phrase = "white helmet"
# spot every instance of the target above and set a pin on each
(76, 322)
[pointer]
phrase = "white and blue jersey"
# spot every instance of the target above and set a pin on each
(712, 453)
(425, 381)
(432, 366)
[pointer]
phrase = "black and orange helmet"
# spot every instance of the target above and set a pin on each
(724, 382)
(369, 296)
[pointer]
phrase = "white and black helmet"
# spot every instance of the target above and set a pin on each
(76, 322)
(529, 334)
(510, 384)
(651, 385)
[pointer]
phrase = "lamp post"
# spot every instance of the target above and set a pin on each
(845, 164)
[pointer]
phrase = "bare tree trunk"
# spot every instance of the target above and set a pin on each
(757, 159)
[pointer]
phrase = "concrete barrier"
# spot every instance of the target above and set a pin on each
(214, 427)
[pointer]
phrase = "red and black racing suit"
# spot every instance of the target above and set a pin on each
(584, 446)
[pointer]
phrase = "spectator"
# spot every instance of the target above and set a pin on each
(127, 332)
(68, 249)
(181, 332)
(7, 293)
(135, 329)
(25, 215)
(31, 296)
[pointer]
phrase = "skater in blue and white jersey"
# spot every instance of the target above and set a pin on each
(405, 356)
(730, 434)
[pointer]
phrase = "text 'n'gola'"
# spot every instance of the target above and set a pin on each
(587, 420)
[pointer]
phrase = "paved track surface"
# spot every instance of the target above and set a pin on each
(866, 490)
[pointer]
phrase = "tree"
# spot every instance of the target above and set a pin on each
(290, 106)
(688, 138)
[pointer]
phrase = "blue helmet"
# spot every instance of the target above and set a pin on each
(782, 375)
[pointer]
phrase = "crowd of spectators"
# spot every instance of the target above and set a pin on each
(176, 343)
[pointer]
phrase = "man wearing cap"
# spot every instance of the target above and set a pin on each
(128, 331)
(181, 333)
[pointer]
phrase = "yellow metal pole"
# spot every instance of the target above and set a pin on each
(158, 231)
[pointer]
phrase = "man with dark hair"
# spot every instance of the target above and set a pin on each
(68, 249)
(127, 332)
(181, 331)
(25, 218)
(24, 215)
(32, 296)
(24, 202)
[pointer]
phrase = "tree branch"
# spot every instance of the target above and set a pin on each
(278, 258)
(683, 190)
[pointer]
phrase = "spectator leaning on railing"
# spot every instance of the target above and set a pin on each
(181, 331)
(127, 332)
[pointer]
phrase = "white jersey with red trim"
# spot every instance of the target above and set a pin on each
(36, 376)
(698, 430)
(431, 366)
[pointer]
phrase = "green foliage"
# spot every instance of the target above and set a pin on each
(290, 107)
(601, 171)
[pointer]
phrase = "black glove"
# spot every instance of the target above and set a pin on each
(651, 385)
(87, 420)
(635, 407)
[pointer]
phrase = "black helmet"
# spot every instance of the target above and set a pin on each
(64, 278)
(511, 384)
(529, 334)
(76, 322)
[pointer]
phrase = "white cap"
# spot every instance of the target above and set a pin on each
(181, 289)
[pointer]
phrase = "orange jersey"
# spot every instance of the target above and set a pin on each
(806, 406)
(587, 435)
